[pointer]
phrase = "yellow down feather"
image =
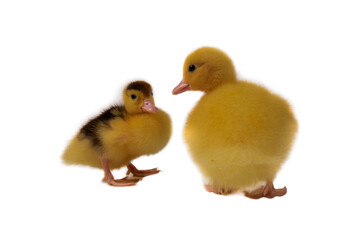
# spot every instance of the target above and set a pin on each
(239, 133)
(140, 134)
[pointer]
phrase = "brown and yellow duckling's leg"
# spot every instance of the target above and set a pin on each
(140, 173)
(267, 191)
(109, 178)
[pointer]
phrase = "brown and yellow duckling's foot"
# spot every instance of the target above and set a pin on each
(123, 182)
(109, 178)
(140, 173)
(220, 191)
(267, 191)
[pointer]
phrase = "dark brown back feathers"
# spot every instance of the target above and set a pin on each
(90, 129)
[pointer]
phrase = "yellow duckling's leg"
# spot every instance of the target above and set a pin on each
(266, 191)
(140, 173)
(109, 178)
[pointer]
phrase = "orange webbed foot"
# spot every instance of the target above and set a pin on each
(141, 173)
(267, 191)
(109, 178)
(123, 182)
(219, 191)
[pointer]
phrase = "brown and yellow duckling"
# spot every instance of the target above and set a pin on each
(120, 134)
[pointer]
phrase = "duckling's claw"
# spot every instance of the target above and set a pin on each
(278, 192)
(267, 191)
(140, 173)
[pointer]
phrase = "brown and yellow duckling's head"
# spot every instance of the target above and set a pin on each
(138, 98)
(205, 69)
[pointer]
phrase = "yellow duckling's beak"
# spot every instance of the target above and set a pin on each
(181, 87)
(149, 107)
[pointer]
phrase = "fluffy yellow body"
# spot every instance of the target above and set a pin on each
(239, 134)
(122, 141)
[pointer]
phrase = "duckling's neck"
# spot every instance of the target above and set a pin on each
(220, 76)
(219, 82)
(131, 111)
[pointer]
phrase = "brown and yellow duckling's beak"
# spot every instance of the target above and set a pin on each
(149, 107)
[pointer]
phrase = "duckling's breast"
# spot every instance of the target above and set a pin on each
(137, 135)
(148, 133)
(239, 126)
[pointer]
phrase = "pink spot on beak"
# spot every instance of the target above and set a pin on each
(149, 107)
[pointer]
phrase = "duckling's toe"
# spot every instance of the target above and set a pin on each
(140, 173)
(220, 191)
(256, 194)
(267, 191)
(123, 182)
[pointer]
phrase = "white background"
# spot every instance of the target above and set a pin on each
(61, 62)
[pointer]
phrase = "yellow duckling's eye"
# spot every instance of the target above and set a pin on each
(133, 96)
(192, 68)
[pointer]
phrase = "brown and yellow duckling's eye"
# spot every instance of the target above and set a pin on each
(192, 68)
(133, 96)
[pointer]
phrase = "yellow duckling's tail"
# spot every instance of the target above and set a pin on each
(81, 152)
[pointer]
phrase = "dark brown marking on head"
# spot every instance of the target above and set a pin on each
(141, 86)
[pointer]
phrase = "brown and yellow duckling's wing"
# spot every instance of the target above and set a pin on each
(87, 146)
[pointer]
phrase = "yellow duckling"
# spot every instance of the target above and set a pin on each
(122, 133)
(239, 133)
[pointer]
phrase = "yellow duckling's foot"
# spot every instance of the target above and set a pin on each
(267, 191)
(140, 173)
(220, 191)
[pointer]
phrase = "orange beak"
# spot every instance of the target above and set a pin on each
(149, 107)
(181, 87)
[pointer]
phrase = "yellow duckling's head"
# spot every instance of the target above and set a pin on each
(138, 98)
(205, 69)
